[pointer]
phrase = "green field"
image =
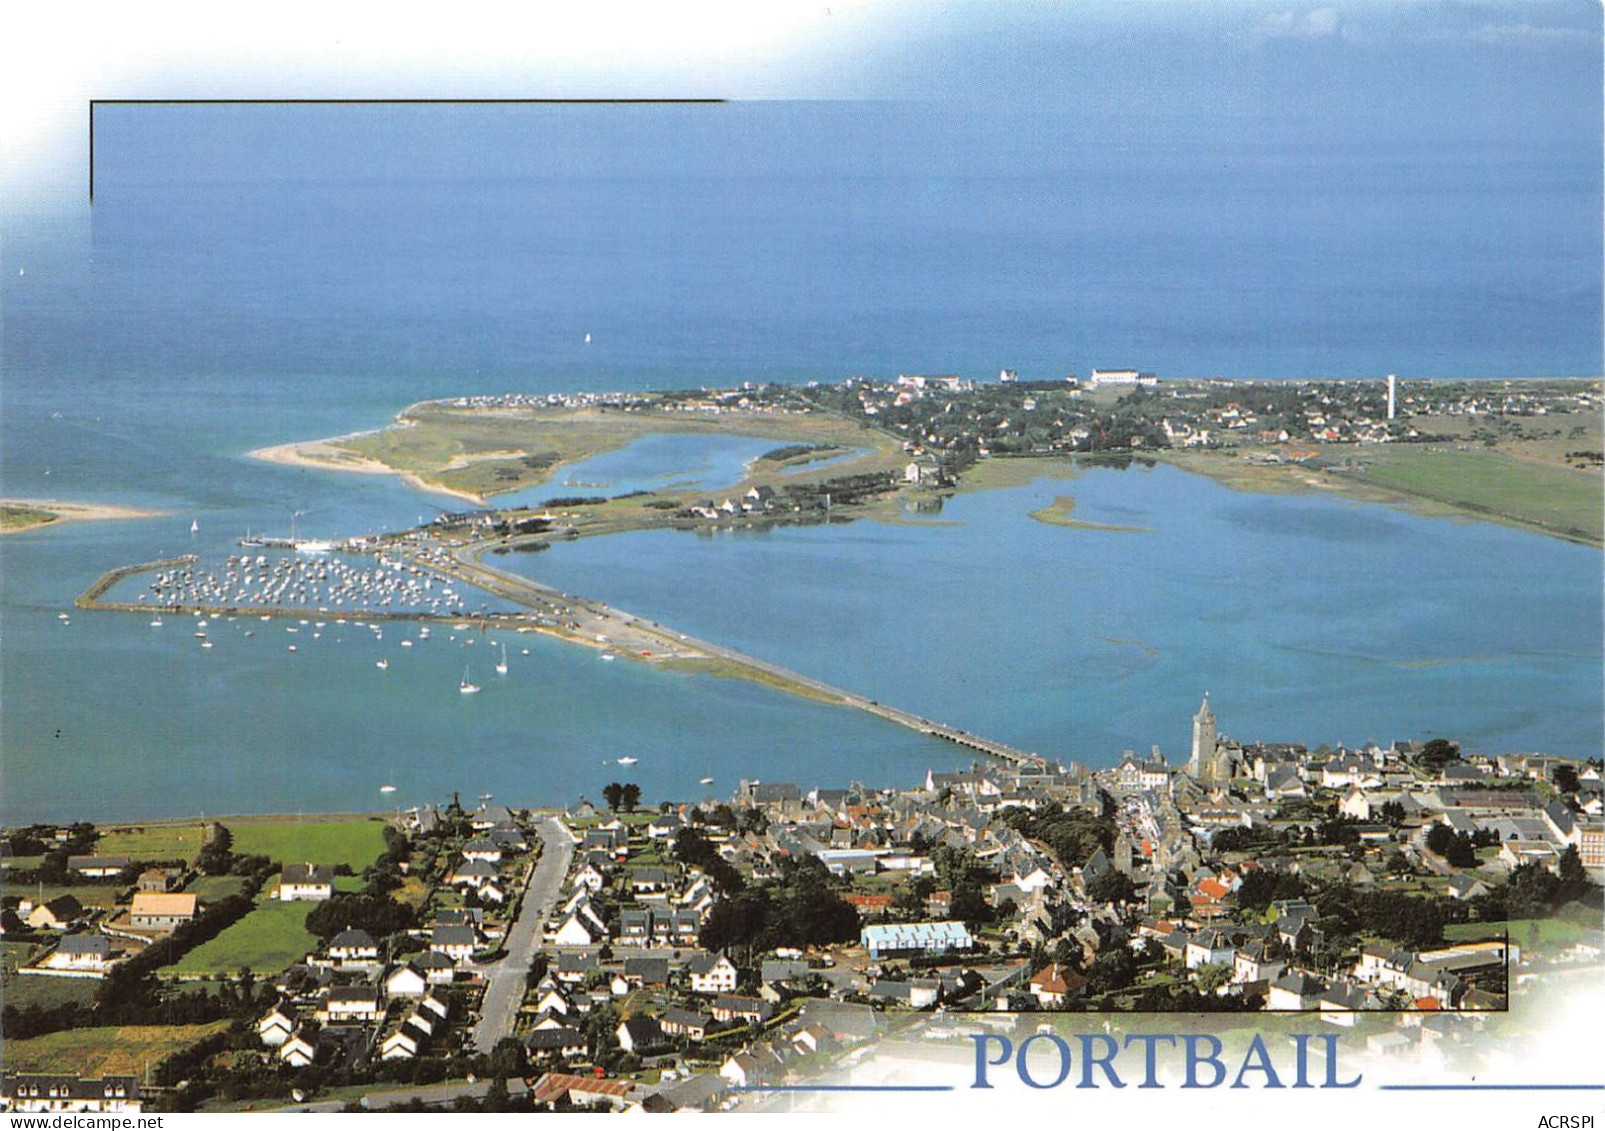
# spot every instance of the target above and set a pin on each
(213, 888)
(353, 841)
(121, 1050)
(25, 990)
(1430, 479)
(90, 895)
(270, 938)
(488, 451)
(151, 842)
(13, 955)
(1551, 932)
(1557, 499)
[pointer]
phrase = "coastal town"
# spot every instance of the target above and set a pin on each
(636, 953)
(1524, 452)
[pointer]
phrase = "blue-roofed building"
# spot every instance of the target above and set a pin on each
(892, 940)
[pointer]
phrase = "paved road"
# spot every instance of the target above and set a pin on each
(504, 988)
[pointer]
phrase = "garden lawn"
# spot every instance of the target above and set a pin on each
(269, 939)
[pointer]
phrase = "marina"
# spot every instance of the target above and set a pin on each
(408, 581)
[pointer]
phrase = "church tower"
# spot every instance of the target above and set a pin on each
(1202, 763)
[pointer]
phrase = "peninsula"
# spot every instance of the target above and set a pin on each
(1521, 452)
(17, 515)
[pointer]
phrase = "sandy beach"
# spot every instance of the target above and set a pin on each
(69, 512)
(323, 455)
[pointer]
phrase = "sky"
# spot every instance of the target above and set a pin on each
(1395, 72)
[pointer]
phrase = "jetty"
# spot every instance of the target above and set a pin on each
(553, 612)
(91, 598)
(655, 641)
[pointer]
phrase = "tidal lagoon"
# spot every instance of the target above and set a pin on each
(223, 297)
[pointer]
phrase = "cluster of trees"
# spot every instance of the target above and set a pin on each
(40, 840)
(800, 908)
(1264, 886)
(691, 847)
(1437, 754)
(384, 874)
(218, 858)
(1413, 921)
(792, 451)
(379, 915)
(622, 797)
(1532, 891)
(1459, 849)
(842, 489)
(965, 882)
(1072, 834)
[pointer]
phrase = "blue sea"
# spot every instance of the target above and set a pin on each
(253, 275)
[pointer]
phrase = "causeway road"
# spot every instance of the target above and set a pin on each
(636, 636)
(504, 978)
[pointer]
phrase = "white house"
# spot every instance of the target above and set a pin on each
(473, 874)
(406, 981)
(455, 942)
(351, 1004)
(312, 882)
(162, 911)
(1355, 804)
(486, 850)
(573, 933)
(81, 954)
(403, 1044)
(712, 974)
(35, 1093)
(298, 1051)
(354, 947)
(277, 1027)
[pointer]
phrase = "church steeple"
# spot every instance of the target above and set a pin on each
(1202, 763)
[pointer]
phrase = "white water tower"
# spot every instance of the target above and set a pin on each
(1393, 389)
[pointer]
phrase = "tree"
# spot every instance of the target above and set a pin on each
(1531, 892)
(1438, 753)
(1112, 887)
(1457, 848)
(1115, 968)
(1073, 835)
(214, 857)
(630, 797)
(613, 794)
(1263, 886)
(379, 915)
(1565, 778)
(507, 1058)
(1211, 976)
